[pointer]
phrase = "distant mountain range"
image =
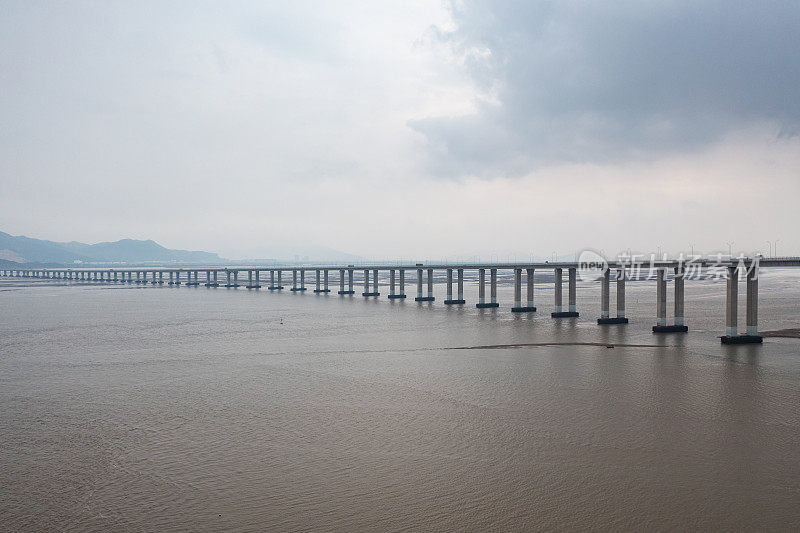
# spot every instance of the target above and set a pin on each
(20, 249)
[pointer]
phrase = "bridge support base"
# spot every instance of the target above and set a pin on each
(253, 287)
(741, 339)
(321, 290)
(347, 292)
(424, 299)
(565, 314)
(612, 320)
(370, 294)
(670, 329)
(396, 296)
(523, 309)
(276, 288)
(487, 305)
(297, 289)
(212, 284)
(454, 302)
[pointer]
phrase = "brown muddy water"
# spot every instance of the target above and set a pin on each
(135, 408)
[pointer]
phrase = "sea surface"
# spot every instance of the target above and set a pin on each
(155, 408)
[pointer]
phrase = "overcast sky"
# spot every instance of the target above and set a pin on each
(411, 129)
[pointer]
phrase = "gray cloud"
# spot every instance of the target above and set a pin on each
(607, 82)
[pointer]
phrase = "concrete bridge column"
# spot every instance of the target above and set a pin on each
(256, 279)
(661, 305)
(449, 295)
(325, 281)
(294, 281)
(518, 307)
(138, 277)
(481, 288)
(430, 297)
(460, 284)
(529, 272)
(661, 298)
(280, 283)
(375, 290)
(731, 310)
(493, 286)
(751, 336)
(302, 280)
(680, 275)
(350, 289)
(752, 301)
(228, 283)
(171, 275)
(317, 287)
(605, 287)
(208, 278)
(621, 296)
(249, 279)
(272, 280)
(557, 279)
(393, 293)
(341, 282)
(155, 280)
(160, 277)
(177, 277)
(366, 284)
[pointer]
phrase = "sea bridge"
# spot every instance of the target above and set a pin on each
(735, 270)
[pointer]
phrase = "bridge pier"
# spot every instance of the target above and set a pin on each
(373, 292)
(732, 331)
(661, 303)
(572, 312)
(518, 307)
(325, 275)
(605, 297)
(482, 304)
(429, 297)
(252, 280)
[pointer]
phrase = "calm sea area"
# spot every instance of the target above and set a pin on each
(153, 408)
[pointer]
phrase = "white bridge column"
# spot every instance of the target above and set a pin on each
(402, 283)
(558, 292)
(366, 283)
(752, 301)
(732, 302)
(680, 273)
(341, 281)
(461, 285)
(481, 287)
(449, 296)
(604, 297)
(391, 283)
(661, 298)
(430, 284)
(419, 284)
(620, 293)
(493, 286)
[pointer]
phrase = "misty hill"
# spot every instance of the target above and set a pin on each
(22, 249)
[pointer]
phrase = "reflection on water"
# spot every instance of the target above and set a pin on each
(151, 408)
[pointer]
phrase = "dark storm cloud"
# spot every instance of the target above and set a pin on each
(609, 82)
